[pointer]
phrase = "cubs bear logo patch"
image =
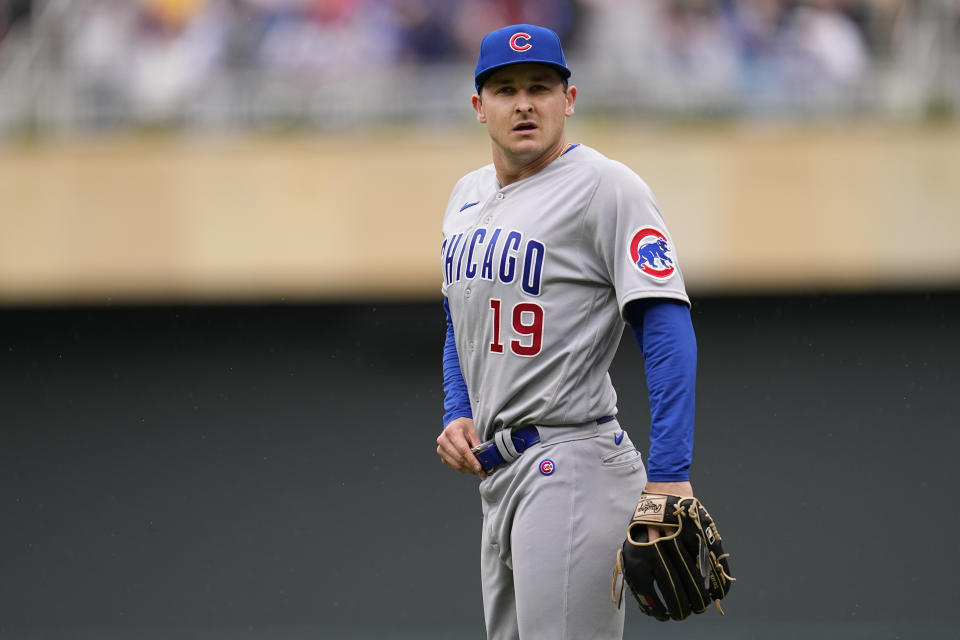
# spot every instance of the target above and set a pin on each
(650, 251)
(547, 467)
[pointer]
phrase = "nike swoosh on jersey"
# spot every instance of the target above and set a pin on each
(468, 205)
(618, 437)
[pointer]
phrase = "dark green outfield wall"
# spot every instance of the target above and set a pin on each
(270, 471)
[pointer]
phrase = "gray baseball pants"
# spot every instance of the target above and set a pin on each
(552, 523)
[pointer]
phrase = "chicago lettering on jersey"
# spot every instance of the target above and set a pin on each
(494, 254)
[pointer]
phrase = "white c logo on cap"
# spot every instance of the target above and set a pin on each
(520, 36)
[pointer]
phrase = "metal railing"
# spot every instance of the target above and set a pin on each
(64, 72)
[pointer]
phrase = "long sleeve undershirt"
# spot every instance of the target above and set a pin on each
(456, 400)
(664, 332)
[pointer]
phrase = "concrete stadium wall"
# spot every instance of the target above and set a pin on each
(357, 216)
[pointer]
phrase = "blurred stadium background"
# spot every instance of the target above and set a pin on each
(219, 305)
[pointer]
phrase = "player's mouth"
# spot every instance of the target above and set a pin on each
(524, 127)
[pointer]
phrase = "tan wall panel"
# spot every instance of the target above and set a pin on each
(811, 209)
(358, 216)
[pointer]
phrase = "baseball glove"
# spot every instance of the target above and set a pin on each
(679, 573)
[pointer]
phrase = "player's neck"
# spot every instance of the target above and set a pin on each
(512, 169)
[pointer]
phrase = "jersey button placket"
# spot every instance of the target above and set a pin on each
(487, 219)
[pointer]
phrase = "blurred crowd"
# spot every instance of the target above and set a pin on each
(113, 61)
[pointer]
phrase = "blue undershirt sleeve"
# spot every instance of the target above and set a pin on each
(456, 400)
(664, 332)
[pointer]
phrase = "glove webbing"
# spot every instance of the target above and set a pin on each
(710, 534)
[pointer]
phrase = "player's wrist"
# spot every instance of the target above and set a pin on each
(454, 416)
(684, 488)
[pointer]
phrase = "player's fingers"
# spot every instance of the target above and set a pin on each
(465, 441)
(472, 439)
(450, 448)
(446, 459)
(455, 440)
(448, 454)
(454, 445)
(461, 462)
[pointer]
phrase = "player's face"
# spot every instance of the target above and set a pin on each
(525, 107)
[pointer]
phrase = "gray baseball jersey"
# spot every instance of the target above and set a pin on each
(537, 275)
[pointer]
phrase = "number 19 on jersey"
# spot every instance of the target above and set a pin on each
(526, 321)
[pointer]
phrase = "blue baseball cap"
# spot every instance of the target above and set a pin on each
(519, 43)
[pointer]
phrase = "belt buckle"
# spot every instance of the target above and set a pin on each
(483, 447)
(481, 453)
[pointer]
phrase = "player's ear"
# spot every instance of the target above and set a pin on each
(478, 107)
(571, 98)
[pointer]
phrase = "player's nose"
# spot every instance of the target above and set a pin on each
(524, 104)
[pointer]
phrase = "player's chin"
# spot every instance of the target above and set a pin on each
(526, 144)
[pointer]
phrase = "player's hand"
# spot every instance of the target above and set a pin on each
(682, 489)
(454, 444)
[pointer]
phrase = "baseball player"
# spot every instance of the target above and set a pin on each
(546, 253)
